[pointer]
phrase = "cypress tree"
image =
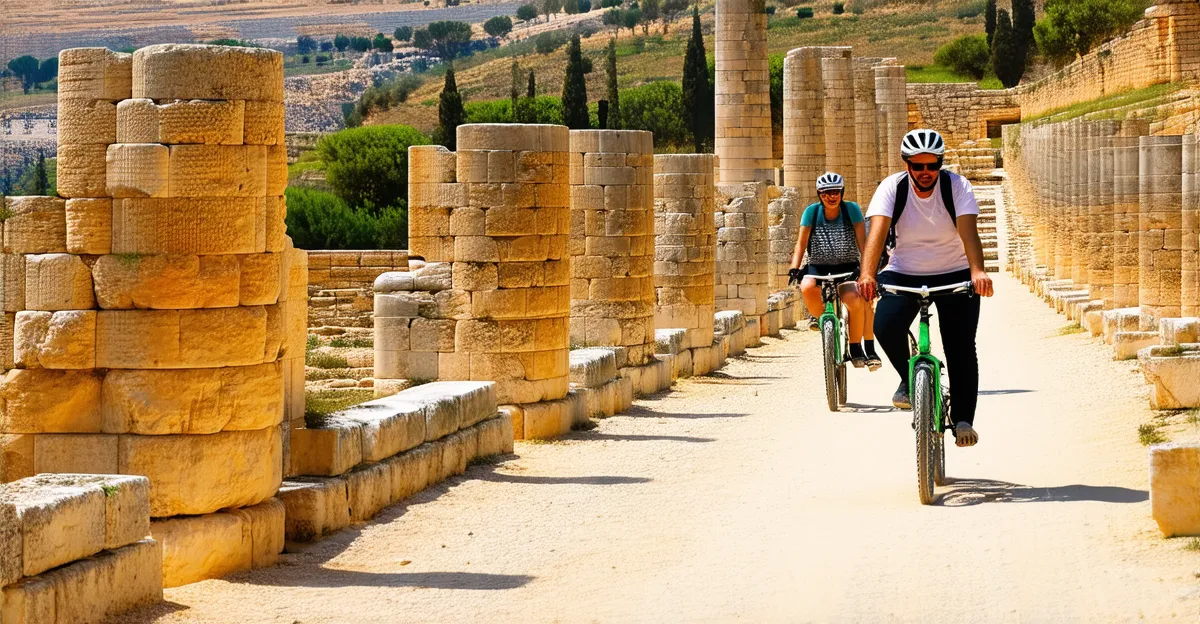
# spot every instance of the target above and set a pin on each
(1004, 52)
(989, 21)
(697, 90)
(450, 111)
(574, 94)
(526, 108)
(531, 90)
(614, 106)
(41, 183)
(1024, 19)
(515, 89)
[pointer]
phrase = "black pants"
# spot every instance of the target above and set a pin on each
(958, 318)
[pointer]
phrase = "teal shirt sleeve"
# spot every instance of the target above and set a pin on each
(810, 216)
(854, 212)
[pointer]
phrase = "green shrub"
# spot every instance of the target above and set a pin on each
(804, 12)
(320, 220)
(966, 55)
(657, 107)
(368, 167)
(839, 8)
(971, 9)
(1071, 27)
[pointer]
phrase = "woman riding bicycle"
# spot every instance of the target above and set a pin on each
(833, 234)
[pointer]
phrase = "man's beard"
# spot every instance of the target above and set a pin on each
(922, 187)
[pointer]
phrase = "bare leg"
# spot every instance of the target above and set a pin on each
(811, 293)
(869, 321)
(855, 306)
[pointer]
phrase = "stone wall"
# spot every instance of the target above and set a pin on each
(959, 111)
(340, 284)
(685, 245)
(1158, 49)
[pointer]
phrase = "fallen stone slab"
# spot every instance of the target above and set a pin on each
(213, 545)
(592, 368)
(670, 341)
(1175, 488)
(1173, 373)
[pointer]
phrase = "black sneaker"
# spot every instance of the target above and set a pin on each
(900, 398)
(813, 324)
(857, 357)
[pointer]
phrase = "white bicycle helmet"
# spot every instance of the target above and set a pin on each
(830, 182)
(922, 142)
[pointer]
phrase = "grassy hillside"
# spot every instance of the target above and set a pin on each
(910, 31)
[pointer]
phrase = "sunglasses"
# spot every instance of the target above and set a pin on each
(937, 166)
(833, 192)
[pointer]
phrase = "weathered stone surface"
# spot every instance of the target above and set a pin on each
(260, 279)
(82, 170)
(201, 474)
(368, 490)
(84, 121)
(315, 507)
(203, 338)
(57, 282)
(94, 74)
(203, 401)
(59, 523)
(331, 449)
(50, 401)
(1175, 488)
(36, 225)
(264, 123)
(138, 170)
(180, 122)
(223, 225)
(58, 340)
(109, 584)
(266, 525)
(76, 453)
(218, 171)
(11, 546)
(89, 226)
(166, 281)
(16, 456)
(187, 71)
(591, 368)
(203, 547)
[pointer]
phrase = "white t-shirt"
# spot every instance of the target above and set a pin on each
(927, 242)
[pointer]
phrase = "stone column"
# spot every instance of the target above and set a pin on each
(740, 219)
(1080, 213)
(612, 241)
(743, 92)
(1126, 195)
(1100, 197)
(841, 145)
(1159, 226)
(803, 115)
(866, 120)
(492, 303)
(685, 245)
(891, 95)
(1189, 297)
(1063, 223)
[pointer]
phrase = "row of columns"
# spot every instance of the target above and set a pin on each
(1111, 208)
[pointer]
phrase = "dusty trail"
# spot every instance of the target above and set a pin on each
(741, 498)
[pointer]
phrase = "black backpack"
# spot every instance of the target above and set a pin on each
(902, 201)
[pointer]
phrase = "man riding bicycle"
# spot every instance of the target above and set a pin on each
(935, 242)
(832, 233)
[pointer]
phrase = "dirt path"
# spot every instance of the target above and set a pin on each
(741, 498)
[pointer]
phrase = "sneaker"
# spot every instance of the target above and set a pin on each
(813, 324)
(857, 357)
(964, 434)
(900, 399)
(873, 362)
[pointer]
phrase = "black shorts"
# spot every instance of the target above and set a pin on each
(834, 269)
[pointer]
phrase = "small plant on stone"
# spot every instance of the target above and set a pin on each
(1192, 544)
(110, 490)
(320, 359)
(1067, 330)
(1148, 434)
(129, 258)
(353, 343)
(1193, 417)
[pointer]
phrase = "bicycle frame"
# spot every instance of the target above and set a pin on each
(925, 354)
(833, 303)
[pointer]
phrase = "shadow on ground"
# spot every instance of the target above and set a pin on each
(967, 492)
(327, 577)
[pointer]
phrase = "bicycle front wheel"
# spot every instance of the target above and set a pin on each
(924, 413)
(829, 341)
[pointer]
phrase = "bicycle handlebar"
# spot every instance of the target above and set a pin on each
(926, 291)
(831, 278)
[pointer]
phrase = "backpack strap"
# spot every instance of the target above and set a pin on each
(948, 195)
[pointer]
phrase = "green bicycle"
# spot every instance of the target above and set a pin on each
(834, 339)
(930, 400)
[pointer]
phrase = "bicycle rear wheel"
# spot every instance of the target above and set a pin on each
(829, 342)
(939, 442)
(924, 412)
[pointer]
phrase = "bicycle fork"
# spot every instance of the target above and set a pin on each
(925, 357)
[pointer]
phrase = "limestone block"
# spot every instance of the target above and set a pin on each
(509, 137)
(546, 420)
(276, 211)
(30, 601)
(50, 401)
(329, 450)
(390, 426)
(260, 279)
(126, 501)
(59, 523)
(168, 281)
(138, 170)
(12, 282)
(203, 547)
(228, 225)
(16, 457)
(180, 122)
(265, 523)
(75, 453)
(82, 170)
(201, 474)
(410, 474)
(196, 402)
(592, 368)
(1175, 488)
(94, 74)
(89, 226)
(204, 72)
(451, 405)
(368, 490)
(86, 121)
(181, 339)
(36, 225)
(11, 547)
(109, 584)
(264, 123)
(57, 282)
(59, 340)
(217, 171)
(314, 507)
